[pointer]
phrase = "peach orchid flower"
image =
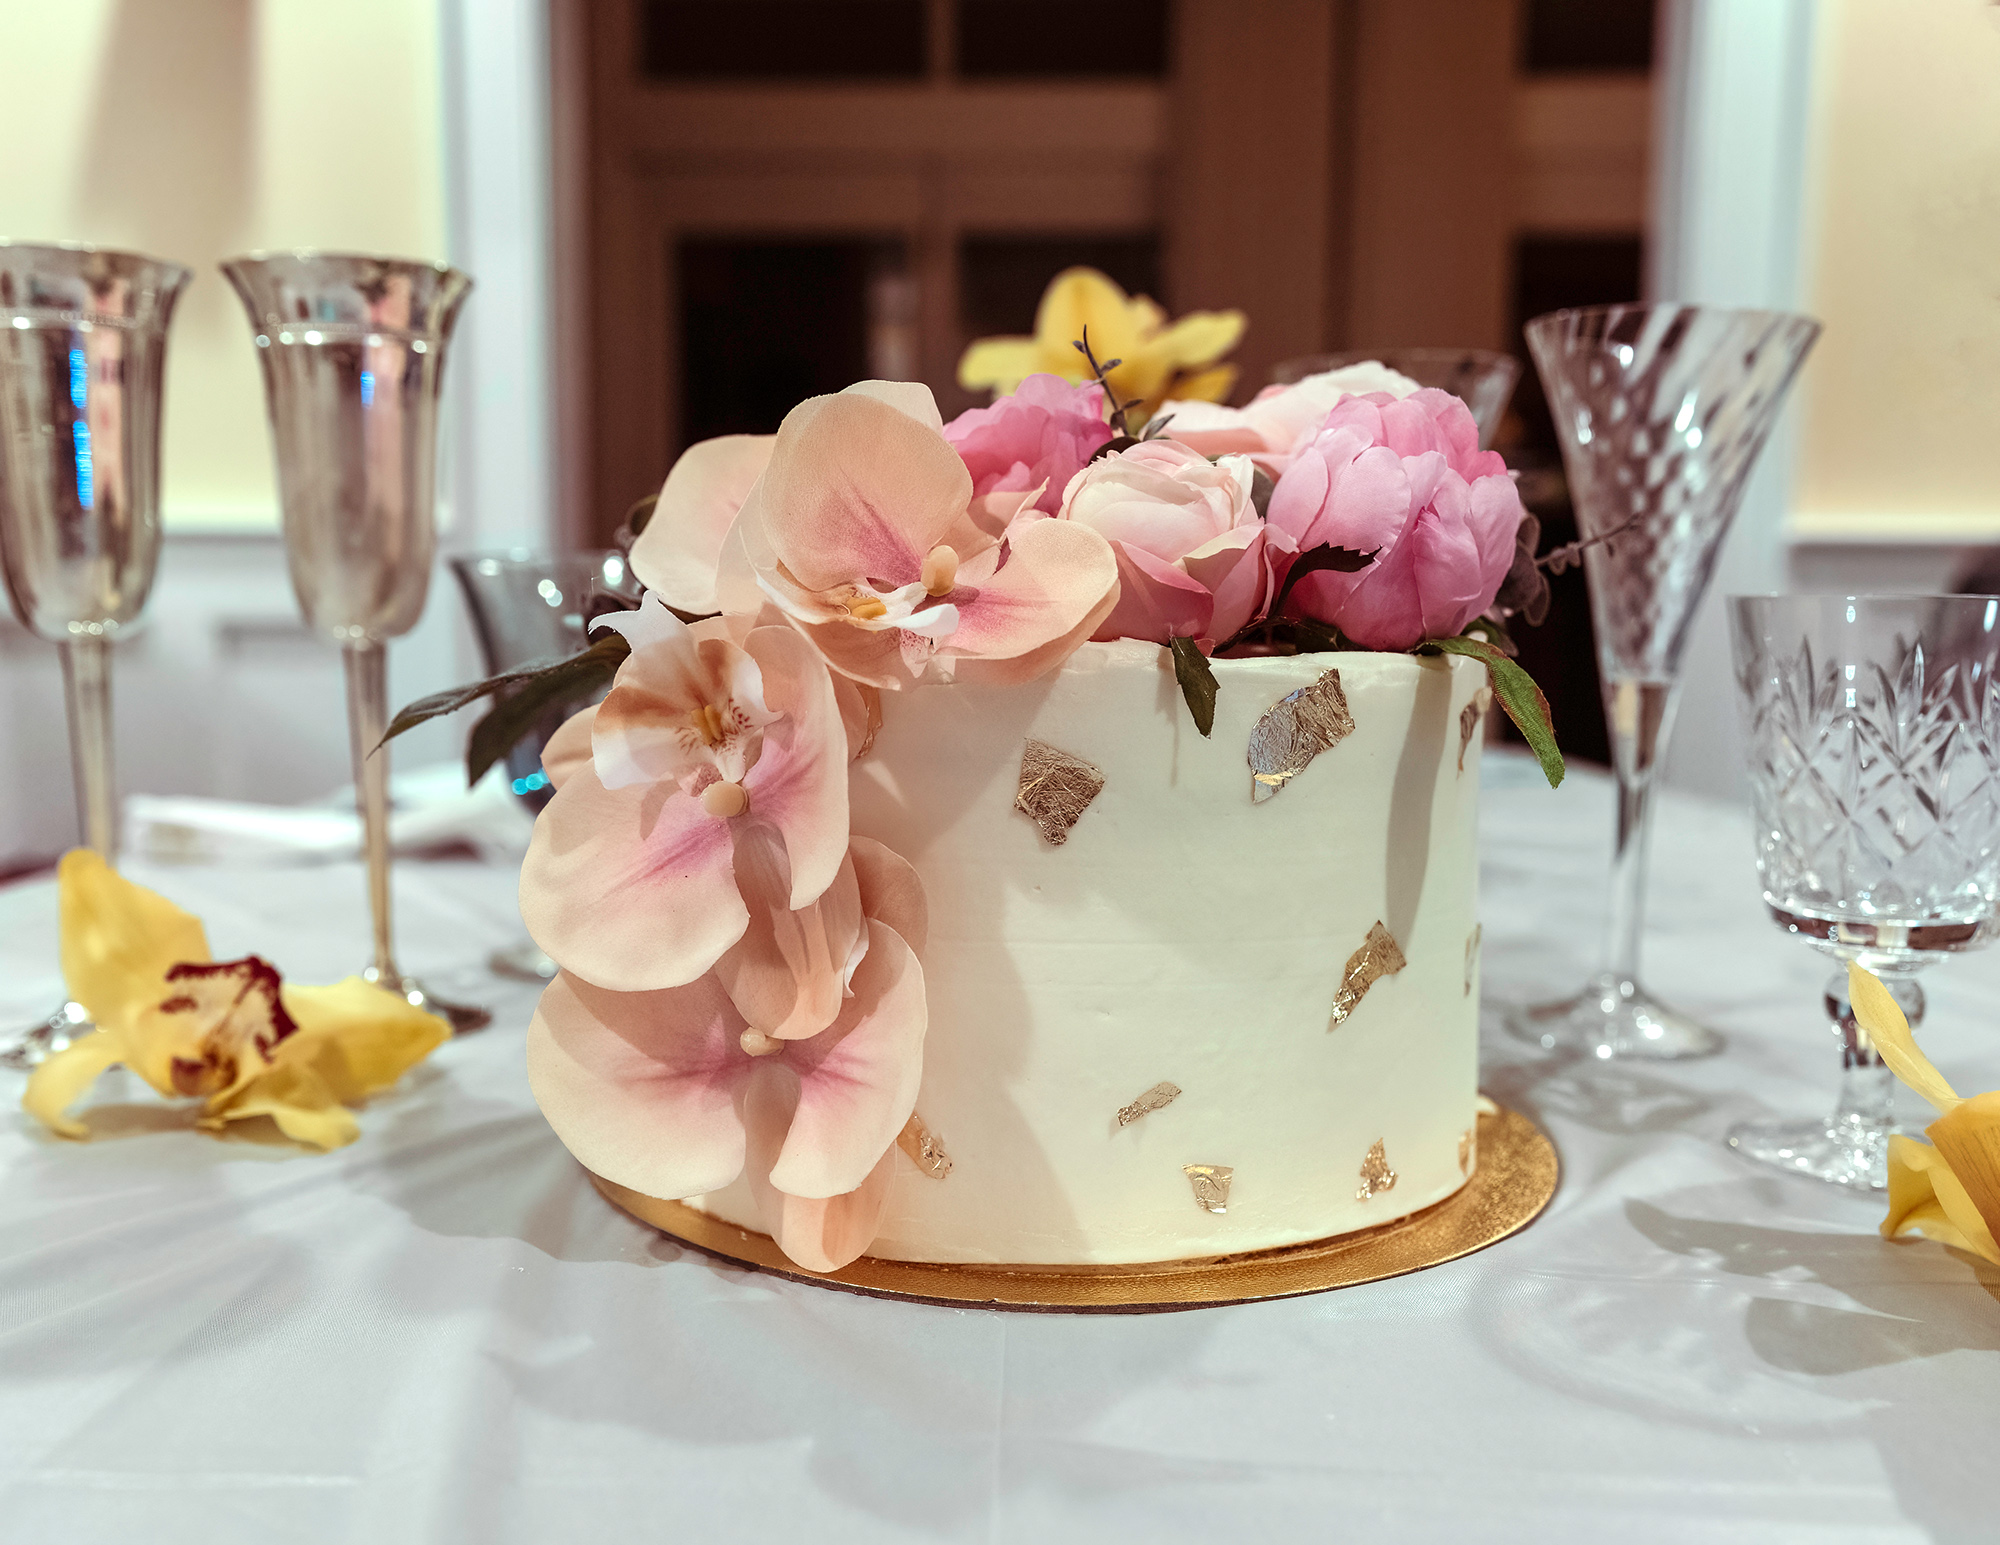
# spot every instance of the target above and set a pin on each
(861, 532)
(676, 553)
(703, 746)
(673, 1093)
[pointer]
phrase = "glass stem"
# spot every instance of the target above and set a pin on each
(1639, 714)
(1867, 1087)
(367, 717)
(86, 668)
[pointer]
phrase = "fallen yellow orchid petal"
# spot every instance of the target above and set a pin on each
(229, 1032)
(1157, 359)
(1949, 1192)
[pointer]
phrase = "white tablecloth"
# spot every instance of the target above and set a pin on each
(443, 1334)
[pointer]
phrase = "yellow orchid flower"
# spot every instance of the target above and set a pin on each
(1158, 360)
(230, 1032)
(1950, 1192)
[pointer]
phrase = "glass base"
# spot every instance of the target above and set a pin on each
(463, 1018)
(1844, 1149)
(523, 962)
(37, 1044)
(1613, 1018)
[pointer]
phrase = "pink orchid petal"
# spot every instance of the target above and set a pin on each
(858, 490)
(569, 748)
(631, 889)
(1055, 575)
(816, 1233)
(788, 974)
(891, 891)
(642, 1087)
(799, 784)
(1156, 600)
(912, 399)
(678, 552)
(872, 659)
(643, 731)
(857, 1081)
(860, 714)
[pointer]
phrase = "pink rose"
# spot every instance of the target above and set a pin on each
(1194, 558)
(1040, 436)
(1280, 420)
(1407, 480)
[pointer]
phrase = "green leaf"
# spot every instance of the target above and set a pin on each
(1518, 694)
(1197, 682)
(1342, 560)
(611, 647)
(567, 684)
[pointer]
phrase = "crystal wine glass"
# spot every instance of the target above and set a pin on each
(83, 342)
(527, 607)
(1481, 379)
(352, 349)
(1873, 729)
(1661, 410)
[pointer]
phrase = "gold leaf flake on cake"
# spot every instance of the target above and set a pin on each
(1468, 721)
(1158, 1097)
(1055, 789)
(1379, 955)
(1295, 730)
(1472, 955)
(925, 1148)
(1375, 1174)
(1468, 1150)
(1211, 1185)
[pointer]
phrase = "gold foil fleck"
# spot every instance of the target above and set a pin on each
(1472, 955)
(1211, 1185)
(1468, 1150)
(1379, 955)
(1055, 789)
(925, 1148)
(1468, 721)
(1375, 1174)
(1156, 1098)
(1299, 727)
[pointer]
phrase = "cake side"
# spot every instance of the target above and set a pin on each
(1181, 934)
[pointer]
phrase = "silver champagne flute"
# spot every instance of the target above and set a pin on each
(1873, 737)
(83, 344)
(352, 348)
(528, 607)
(1661, 411)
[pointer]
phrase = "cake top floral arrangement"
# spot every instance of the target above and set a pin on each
(738, 969)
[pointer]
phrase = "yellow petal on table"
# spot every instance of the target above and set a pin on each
(1926, 1198)
(1004, 363)
(357, 1037)
(1968, 1140)
(61, 1078)
(118, 939)
(1876, 1012)
(297, 1099)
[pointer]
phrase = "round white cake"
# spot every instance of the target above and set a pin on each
(1182, 1013)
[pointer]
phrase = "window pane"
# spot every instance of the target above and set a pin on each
(1000, 278)
(684, 40)
(1043, 39)
(1566, 35)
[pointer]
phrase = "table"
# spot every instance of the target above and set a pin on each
(441, 1333)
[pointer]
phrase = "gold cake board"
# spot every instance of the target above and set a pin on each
(1513, 1182)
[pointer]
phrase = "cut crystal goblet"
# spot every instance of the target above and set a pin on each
(1661, 410)
(1873, 730)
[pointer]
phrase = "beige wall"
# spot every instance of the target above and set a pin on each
(1902, 259)
(199, 129)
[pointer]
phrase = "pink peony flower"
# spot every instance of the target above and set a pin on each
(1037, 438)
(1280, 420)
(636, 878)
(1404, 479)
(862, 532)
(675, 1093)
(1194, 559)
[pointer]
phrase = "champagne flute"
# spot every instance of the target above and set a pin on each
(352, 348)
(83, 341)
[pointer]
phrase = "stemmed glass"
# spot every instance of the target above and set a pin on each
(1873, 725)
(83, 343)
(352, 349)
(1661, 411)
(527, 607)
(1483, 380)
